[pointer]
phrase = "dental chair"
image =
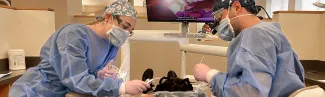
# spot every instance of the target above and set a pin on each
(311, 91)
(5, 1)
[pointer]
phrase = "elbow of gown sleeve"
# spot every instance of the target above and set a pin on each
(222, 86)
(75, 75)
(88, 84)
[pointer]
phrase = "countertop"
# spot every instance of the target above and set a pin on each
(31, 61)
(9, 79)
(313, 77)
(314, 71)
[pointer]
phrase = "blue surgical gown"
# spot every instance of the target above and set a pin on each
(70, 60)
(261, 63)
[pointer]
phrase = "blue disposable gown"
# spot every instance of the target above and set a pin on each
(261, 63)
(70, 59)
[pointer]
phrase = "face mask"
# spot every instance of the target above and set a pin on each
(241, 16)
(117, 36)
(225, 30)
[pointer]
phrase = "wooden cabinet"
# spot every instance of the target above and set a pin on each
(4, 90)
(7, 81)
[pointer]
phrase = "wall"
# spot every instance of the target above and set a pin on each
(74, 7)
(303, 34)
(4, 33)
(292, 5)
(32, 29)
(143, 24)
(165, 56)
(261, 3)
(321, 36)
(84, 20)
(25, 29)
(59, 6)
(64, 9)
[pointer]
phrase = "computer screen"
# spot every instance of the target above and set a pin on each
(180, 10)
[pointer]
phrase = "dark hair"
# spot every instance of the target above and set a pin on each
(218, 4)
(249, 5)
(117, 17)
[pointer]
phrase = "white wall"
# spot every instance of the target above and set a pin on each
(308, 5)
(25, 29)
(276, 5)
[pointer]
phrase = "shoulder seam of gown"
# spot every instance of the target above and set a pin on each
(256, 54)
(270, 38)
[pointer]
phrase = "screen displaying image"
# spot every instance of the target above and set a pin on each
(180, 10)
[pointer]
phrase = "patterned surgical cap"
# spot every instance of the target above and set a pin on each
(119, 7)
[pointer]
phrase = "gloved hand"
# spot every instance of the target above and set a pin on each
(200, 72)
(134, 87)
(107, 71)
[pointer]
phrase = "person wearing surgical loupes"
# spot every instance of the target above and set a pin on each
(77, 58)
(261, 62)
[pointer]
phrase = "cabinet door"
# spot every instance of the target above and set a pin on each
(4, 90)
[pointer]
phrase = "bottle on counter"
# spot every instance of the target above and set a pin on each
(16, 59)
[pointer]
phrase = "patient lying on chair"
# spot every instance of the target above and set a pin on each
(170, 85)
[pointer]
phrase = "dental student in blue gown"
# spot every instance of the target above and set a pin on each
(261, 62)
(75, 59)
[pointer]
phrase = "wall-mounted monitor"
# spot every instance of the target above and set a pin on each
(180, 10)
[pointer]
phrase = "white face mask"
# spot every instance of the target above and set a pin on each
(117, 36)
(225, 30)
